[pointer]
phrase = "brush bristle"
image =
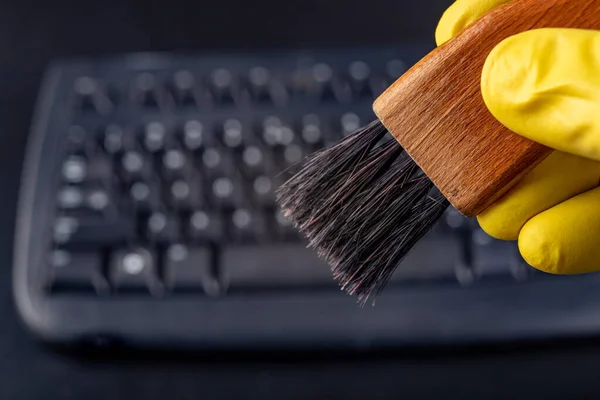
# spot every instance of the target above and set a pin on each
(363, 204)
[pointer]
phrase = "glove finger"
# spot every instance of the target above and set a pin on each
(564, 239)
(460, 15)
(544, 84)
(558, 178)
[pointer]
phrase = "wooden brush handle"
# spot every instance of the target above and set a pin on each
(437, 113)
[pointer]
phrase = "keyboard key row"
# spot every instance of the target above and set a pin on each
(134, 270)
(270, 133)
(180, 268)
(223, 87)
(240, 225)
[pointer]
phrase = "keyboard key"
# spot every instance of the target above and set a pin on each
(100, 169)
(248, 267)
(247, 226)
(221, 86)
(395, 69)
(161, 227)
(323, 77)
(84, 201)
(72, 232)
(184, 85)
(135, 166)
(359, 74)
(98, 199)
(154, 137)
(232, 135)
(263, 191)
(311, 132)
(349, 123)
(90, 96)
(189, 269)
(76, 272)
(193, 138)
(146, 91)
(254, 161)
(135, 270)
(77, 139)
(175, 164)
(186, 194)
(292, 155)
(226, 192)
(70, 198)
(284, 228)
(74, 169)
(111, 139)
(215, 162)
(205, 226)
(430, 260)
(145, 195)
(258, 84)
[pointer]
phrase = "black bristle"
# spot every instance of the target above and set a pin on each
(324, 171)
(363, 205)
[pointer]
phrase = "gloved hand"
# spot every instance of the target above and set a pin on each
(545, 85)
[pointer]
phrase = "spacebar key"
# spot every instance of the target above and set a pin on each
(280, 266)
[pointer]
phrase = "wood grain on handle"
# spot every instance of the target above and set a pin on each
(437, 113)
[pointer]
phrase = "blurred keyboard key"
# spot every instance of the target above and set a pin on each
(76, 272)
(349, 123)
(145, 195)
(232, 136)
(193, 138)
(430, 260)
(395, 69)
(205, 226)
(74, 169)
(70, 197)
(91, 96)
(222, 87)
(259, 79)
(154, 137)
(162, 227)
(226, 192)
(190, 269)
(284, 228)
(73, 233)
(146, 91)
(359, 74)
(78, 140)
(273, 267)
(311, 132)
(216, 162)
(111, 139)
(135, 166)
(135, 270)
(247, 226)
(263, 191)
(186, 194)
(184, 85)
(254, 161)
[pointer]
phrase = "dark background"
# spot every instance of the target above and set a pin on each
(32, 33)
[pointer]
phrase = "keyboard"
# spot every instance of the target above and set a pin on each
(148, 218)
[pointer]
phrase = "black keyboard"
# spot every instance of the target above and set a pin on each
(148, 215)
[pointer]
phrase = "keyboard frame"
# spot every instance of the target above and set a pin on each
(403, 316)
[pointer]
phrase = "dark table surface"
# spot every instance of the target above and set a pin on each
(32, 33)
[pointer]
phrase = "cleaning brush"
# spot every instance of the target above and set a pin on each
(364, 202)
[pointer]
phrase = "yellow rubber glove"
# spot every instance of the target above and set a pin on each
(544, 85)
